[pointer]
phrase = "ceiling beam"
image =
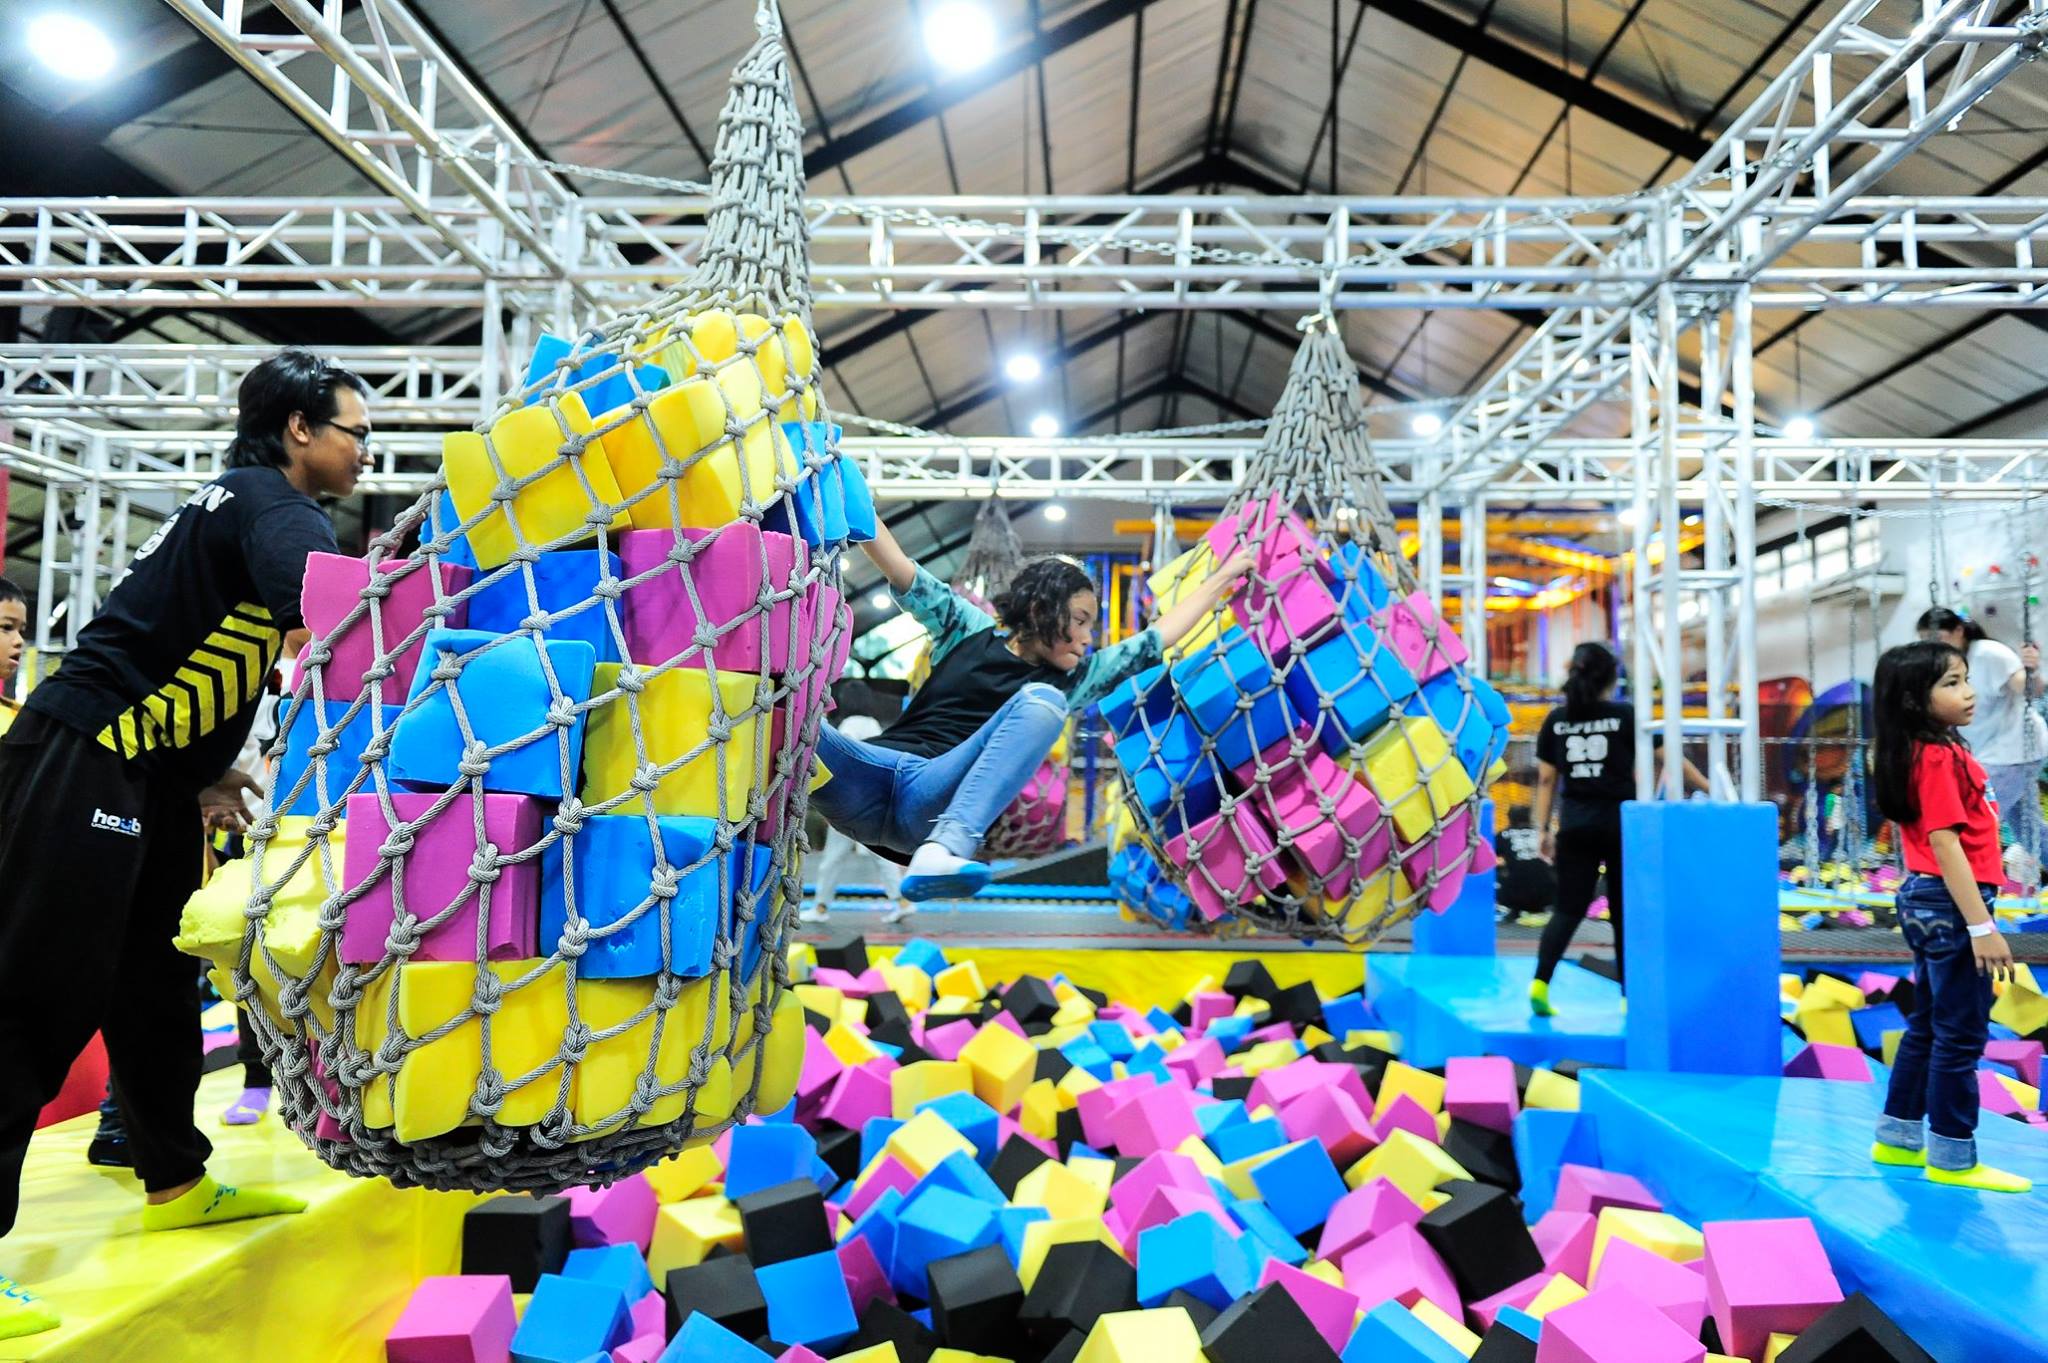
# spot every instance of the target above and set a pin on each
(954, 408)
(661, 90)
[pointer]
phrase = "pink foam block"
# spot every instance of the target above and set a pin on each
(1169, 1204)
(1485, 1311)
(1294, 609)
(454, 1320)
(1284, 1083)
(1231, 861)
(436, 871)
(639, 1349)
(1276, 1031)
(1995, 1097)
(1820, 1060)
(865, 1279)
(1207, 1007)
(1281, 542)
(1157, 1118)
(650, 1315)
(889, 1172)
(1198, 1060)
(1360, 1215)
(1421, 640)
(1446, 854)
(2023, 1056)
(1676, 1290)
(820, 1073)
(1330, 1308)
(859, 1095)
(1764, 1278)
(1098, 1105)
(1405, 1114)
(1398, 1265)
(1007, 1128)
(797, 1353)
(1565, 1240)
(1582, 1188)
(1330, 1117)
(1614, 1327)
(829, 978)
(1481, 1090)
(331, 589)
(1008, 1022)
(731, 571)
(622, 1214)
(1875, 984)
(1164, 1169)
(944, 1042)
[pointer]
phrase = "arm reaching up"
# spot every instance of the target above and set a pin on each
(897, 567)
(1199, 604)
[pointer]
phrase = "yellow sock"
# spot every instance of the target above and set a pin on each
(1982, 1177)
(1903, 1156)
(21, 1313)
(211, 1203)
(1539, 998)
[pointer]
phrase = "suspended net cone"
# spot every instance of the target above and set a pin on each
(518, 919)
(1312, 757)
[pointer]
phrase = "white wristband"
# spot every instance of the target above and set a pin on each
(1983, 929)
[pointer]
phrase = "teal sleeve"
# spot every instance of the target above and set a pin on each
(1107, 668)
(946, 616)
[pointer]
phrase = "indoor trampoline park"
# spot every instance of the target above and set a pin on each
(1023, 681)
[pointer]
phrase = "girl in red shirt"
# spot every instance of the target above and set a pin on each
(1928, 783)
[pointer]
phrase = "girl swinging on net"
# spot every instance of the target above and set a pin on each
(1001, 688)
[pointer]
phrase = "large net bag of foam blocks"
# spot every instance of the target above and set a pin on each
(518, 916)
(1312, 756)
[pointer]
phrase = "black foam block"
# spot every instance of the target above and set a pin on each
(840, 1149)
(1488, 1155)
(817, 1022)
(1077, 1283)
(724, 1289)
(1016, 1158)
(1481, 1237)
(1094, 996)
(1067, 1130)
(1250, 980)
(850, 955)
(1299, 1004)
(1505, 1344)
(1030, 1000)
(520, 1237)
(975, 1299)
(1183, 1013)
(885, 1008)
(786, 1222)
(1264, 1326)
(884, 1322)
(1051, 1065)
(1571, 1068)
(1602, 966)
(1066, 1350)
(1228, 1086)
(1199, 1311)
(1855, 1331)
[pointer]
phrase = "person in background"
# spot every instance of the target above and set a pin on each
(843, 858)
(1930, 784)
(13, 643)
(119, 761)
(1527, 883)
(2007, 738)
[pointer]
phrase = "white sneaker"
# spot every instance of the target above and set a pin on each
(935, 873)
(899, 911)
(813, 914)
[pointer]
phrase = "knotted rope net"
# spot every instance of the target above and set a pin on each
(517, 918)
(1312, 756)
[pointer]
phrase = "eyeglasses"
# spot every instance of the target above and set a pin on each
(361, 433)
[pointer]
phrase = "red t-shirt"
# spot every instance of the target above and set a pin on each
(1953, 794)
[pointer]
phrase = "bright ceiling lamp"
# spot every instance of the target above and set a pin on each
(1045, 425)
(880, 601)
(1023, 367)
(1055, 512)
(1799, 428)
(74, 48)
(1426, 424)
(959, 36)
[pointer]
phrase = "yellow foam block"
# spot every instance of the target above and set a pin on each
(821, 999)
(852, 1011)
(2023, 1093)
(850, 1046)
(684, 1232)
(1378, 1038)
(2019, 1007)
(778, 357)
(1723, 1358)
(687, 421)
(1791, 986)
(1076, 1082)
(1888, 1044)
(1822, 1020)
(963, 1356)
(781, 1057)
(1039, 1110)
(214, 918)
(874, 1353)
(1252, 1008)
(1041, 1236)
(1074, 1012)
(1205, 1159)
(1167, 1335)
(1002, 1064)
(1325, 1270)
(1268, 1055)
(1311, 1037)
(526, 441)
(675, 713)
(1411, 769)
(1659, 1232)
(1180, 578)
(908, 983)
(1452, 1332)
(1098, 1171)
(1237, 1175)
(1424, 1087)
(1063, 1193)
(1407, 1161)
(684, 1176)
(802, 958)
(925, 1080)
(1551, 1090)
(924, 1142)
(1838, 992)
(612, 1067)
(962, 981)
(1559, 1291)
(1367, 898)
(1777, 1345)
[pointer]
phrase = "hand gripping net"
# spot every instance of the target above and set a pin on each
(1312, 756)
(519, 918)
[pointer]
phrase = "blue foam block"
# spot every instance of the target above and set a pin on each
(1227, 686)
(808, 1301)
(1227, 1032)
(1544, 1141)
(937, 1223)
(614, 390)
(704, 1340)
(763, 861)
(874, 1134)
(344, 764)
(1362, 681)
(1265, 1228)
(1479, 1005)
(1090, 1057)
(561, 579)
(1166, 757)
(1220, 1116)
(569, 1319)
(1467, 926)
(1114, 1039)
(1702, 886)
(1464, 718)
(1247, 1138)
(621, 1266)
(613, 871)
(766, 1155)
(923, 953)
(1195, 1253)
(1520, 1321)
(1299, 1184)
(961, 1174)
(1391, 1333)
(1145, 696)
(860, 501)
(506, 697)
(1161, 1021)
(877, 1226)
(1011, 1223)
(443, 520)
(810, 511)
(1347, 1014)
(1360, 589)
(1873, 1022)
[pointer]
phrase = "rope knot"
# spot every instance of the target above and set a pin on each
(562, 714)
(663, 885)
(645, 780)
(475, 761)
(630, 682)
(610, 589)
(569, 818)
(575, 1041)
(488, 993)
(486, 869)
(398, 843)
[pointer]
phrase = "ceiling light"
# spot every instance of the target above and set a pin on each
(1628, 516)
(1055, 512)
(1799, 428)
(1023, 367)
(880, 601)
(1426, 424)
(1045, 425)
(959, 36)
(74, 48)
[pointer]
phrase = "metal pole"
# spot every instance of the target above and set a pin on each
(1472, 569)
(1741, 360)
(1642, 659)
(1667, 512)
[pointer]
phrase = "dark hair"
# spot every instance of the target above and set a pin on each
(10, 592)
(289, 381)
(1593, 670)
(855, 697)
(1903, 722)
(1034, 605)
(1940, 620)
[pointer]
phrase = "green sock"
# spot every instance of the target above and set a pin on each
(1982, 1177)
(1539, 998)
(211, 1203)
(1885, 1153)
(21, 1313)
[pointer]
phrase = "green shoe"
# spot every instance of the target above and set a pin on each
(21, 1313)
(1539, 999)
(1982, 1177)
(1898, 1155)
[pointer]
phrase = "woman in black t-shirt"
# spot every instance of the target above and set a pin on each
(1589, 743)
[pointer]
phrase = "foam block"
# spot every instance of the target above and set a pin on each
(612, 864)
(436, 872)
(621, 1263)
(1399, 1265)
(621, 1213)
(569, 1319)
(1077, 1284)
(1615, 1326)
(1675, 1289)
(1228, 689)
(704, 1340)
(561, 582)
(1299, 1185)
(412, 592)
(1818, 1060)
(736, 593)
(1480, 1236)
(558, 438)
(1330, 1307)
(1266, 1324)
(725, 1289)
(808, 1301)
(1173, 781)
(1481, 1090)
(1765, 1278)
(676, 710)
(1373, 1209)
(1390, 1333)
(308, 724)
(975, 1299)
(1544, 1141)
(1195, 1253)
(1856, 1330)
(520, 1238)
(783, 1222)
(1346, 688)
(714, 476)
(1231, 858)
(1409, 766)
(1583, 1188)
(506, 698)
(454, 1320)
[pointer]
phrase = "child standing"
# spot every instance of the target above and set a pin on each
(13, 641)
(1928, 782)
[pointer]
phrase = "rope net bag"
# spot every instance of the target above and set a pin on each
(1312, 756)
(517, 918)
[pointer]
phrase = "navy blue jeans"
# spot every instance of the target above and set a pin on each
(884, 798)
(1934, 1074)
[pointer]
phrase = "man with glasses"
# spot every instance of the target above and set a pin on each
(115, 766)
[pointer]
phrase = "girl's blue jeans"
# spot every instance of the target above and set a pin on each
(885, 798)
(1934, 1074)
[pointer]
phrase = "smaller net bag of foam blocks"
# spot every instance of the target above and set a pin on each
(519, 916)
(1311, 758)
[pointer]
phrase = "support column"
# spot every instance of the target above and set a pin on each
(1466, 928)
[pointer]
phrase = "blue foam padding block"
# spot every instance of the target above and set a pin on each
(1299, 1184)
(1170, 755)
(1544, 1141)
(874, 1134)
(1467, 927)
(766, 1155)
(877, 1226)
(960, 1173)
(1145, 696)
(1702, 886)
(613, 874)
(1090, 1057)
(1079, 1151)
(923, 953)
(615, 390)
(1148, 1060)
(1363, 681)
(1010, 1224)
(444, 520)
(569, 1319)
(1520, 1321)
(561, 579)
(1265, 1228)
(1461, 717)
(808, 1301)
(1479, 1005)
(344, 764)
(860, 501)
(1247, 1138)
(1161, 1021)
(621, 1266)
(1195, 1253)
(1873, 1022)
(1349, 1013)
(506, 697)
(1965, 1275)
(937, 1223)
(763, 859)
(704, 1340)
(1113, 1039)
(1391, 1333)
(1222, 1116)
(1214, 679)
(810, 511)
(1360, 589)
(1227, 1032)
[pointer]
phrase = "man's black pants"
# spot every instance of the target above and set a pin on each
(96, 861)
